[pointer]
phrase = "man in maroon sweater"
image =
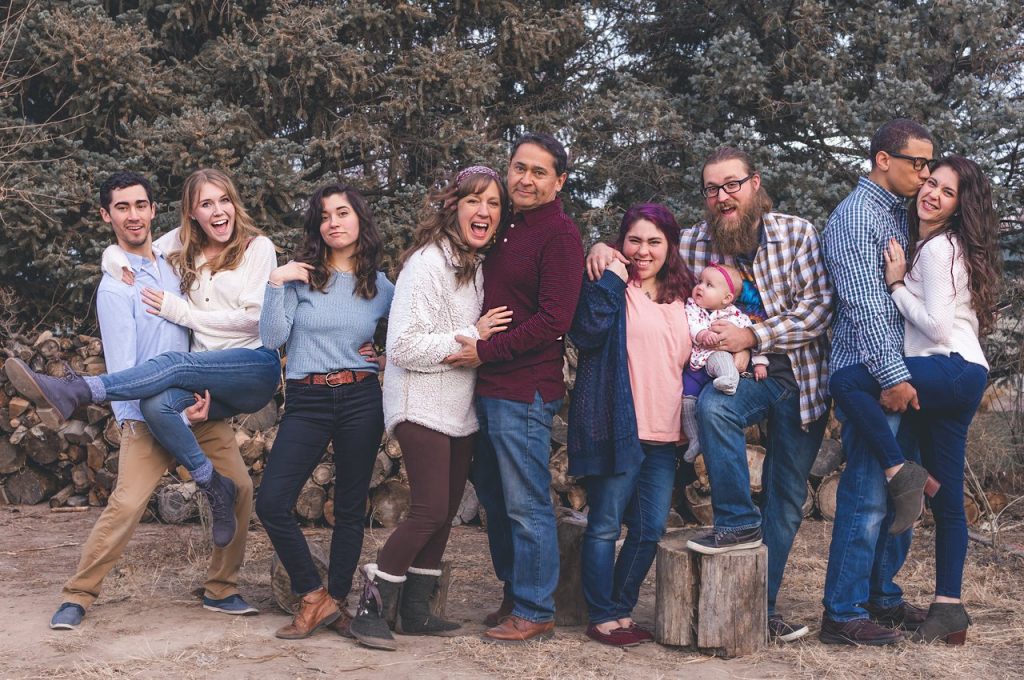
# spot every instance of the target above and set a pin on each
(535, 269)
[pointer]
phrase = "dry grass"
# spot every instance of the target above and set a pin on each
(993, 594)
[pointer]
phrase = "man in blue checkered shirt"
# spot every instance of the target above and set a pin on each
(787, 294)
(863, 604)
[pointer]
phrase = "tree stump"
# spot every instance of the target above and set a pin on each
(570, 607)
(281, 582)
(310, 503)
(717, 604)
(829, 458)
(177, 503)
(390, 503)
(827, 495)
(699, 504)
(808, 507)
(30, 486)
(12, 458)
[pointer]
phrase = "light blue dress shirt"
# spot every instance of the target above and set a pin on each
(130, 334)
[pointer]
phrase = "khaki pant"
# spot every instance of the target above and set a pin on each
(140, 465)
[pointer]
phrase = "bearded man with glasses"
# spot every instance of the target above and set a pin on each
(786, 294)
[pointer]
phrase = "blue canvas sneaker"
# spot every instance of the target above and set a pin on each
(233, 604)
(68, 616)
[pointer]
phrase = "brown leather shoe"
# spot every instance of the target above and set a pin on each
(904, 615)
(316, 610)
(514, 630)
(505, 609)
(857, 632)
(343, 624)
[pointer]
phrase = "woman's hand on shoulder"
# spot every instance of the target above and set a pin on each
(292, 271)
(494, 321)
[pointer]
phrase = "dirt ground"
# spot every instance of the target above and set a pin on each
(147, 624)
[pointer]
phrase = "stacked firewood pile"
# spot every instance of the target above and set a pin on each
(73, 464)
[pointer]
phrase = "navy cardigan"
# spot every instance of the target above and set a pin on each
(603, 435)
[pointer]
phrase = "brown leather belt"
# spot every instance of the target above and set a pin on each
(334, 378)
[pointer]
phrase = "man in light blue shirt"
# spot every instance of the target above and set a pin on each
(863, 604)
(132, 335)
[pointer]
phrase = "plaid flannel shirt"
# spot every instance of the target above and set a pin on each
(868, 328)
(790, 275)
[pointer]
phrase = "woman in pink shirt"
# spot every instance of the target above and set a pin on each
(633, 340)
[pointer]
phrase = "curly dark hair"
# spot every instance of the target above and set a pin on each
(369, 248)
(975, 226)
(675, 280)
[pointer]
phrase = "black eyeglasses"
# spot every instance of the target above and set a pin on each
(730, 187)
(919, 162)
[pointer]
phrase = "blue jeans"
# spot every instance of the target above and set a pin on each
(863, 558)
(351, 417)
(239, 381)
(641, 497)
(856, 393)
(510, 473)
(790, 452)
(949, 390)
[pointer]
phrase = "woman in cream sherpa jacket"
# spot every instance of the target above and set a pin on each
(428, 404)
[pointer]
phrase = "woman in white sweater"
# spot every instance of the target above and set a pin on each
(947, 297)
(428, 405)
(223, 261)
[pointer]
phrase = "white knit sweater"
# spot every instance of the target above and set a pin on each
(222, 309)
(936, 304)
(429, 309)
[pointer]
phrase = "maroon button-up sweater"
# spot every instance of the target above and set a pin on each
(536, 269)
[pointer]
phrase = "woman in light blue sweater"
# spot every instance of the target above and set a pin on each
(325, 306)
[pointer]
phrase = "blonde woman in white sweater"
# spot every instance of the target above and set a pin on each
(223, 262)
(947, 298)
(428, 405)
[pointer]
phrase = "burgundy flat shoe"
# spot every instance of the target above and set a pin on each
(619, 637)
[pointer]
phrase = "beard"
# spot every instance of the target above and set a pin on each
(736, 234)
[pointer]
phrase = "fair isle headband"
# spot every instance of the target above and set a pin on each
(725, 274)
(477, 170)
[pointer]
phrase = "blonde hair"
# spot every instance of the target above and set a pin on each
(193, 238)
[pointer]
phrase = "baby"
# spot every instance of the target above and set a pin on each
(713, 298)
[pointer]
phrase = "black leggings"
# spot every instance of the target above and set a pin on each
(437, 466)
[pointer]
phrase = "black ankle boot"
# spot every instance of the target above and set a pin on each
(415, 605)
(220, 493)
(946, 621)
(370, 625)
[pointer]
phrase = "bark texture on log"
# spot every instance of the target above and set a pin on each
(826, 499)
(716, 603)
(570, 606)
(281, 582)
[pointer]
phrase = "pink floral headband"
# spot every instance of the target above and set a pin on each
(477, 170)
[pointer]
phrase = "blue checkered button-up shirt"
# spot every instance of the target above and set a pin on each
(868, 328)
(790, 276)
